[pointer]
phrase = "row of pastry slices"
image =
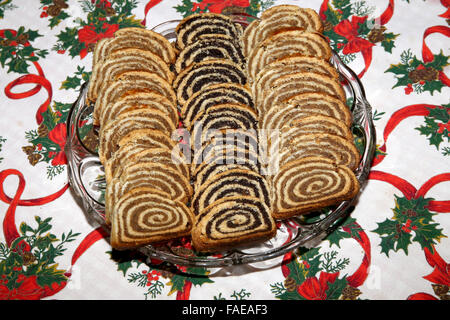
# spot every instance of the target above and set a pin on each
(231, 198)
(135, 107)
(310, 153)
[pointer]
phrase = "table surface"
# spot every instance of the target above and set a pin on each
(395, 243)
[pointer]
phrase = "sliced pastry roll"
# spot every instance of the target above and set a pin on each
(336, 148)
(290, 65)
(129, 83)
(137, 38)
(134, 154)
(123, 61)
(203, 74)
(140, 100)
(196, 25)
(303, 105)
(222, 117)
(145, 215)
(315, 124)
(207, 170)
(226, 140)
(278, 18)
(114, 131)
(284, 44)
(224, 156)
(288, 86)
(309, 184)
(221, 93)
(233, 221)
(230, 183)
(207, 47)
(158, 176)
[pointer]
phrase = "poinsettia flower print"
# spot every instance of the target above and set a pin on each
(315, 289)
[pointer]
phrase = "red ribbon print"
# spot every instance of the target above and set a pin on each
(428, 56)
(29, 288)
(396, 118)
(39, 79)
(147, 8)
(9, 226)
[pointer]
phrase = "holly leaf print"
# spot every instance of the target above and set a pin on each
(439, 61)
(335, 289)
(426, 234)
(437, 125)
(388, 41)
(388, 230)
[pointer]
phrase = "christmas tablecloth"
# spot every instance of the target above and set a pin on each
(395, 243)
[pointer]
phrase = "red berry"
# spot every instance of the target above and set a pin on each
(409, 89)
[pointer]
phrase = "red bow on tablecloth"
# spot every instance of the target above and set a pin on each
(349, 30)
(88, 35)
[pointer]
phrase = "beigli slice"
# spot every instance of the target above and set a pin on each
(134, 154)
(196, 25)
(279, 18)
(224, 140)
(231, 222)
(137, 141)
(230, 183)
(221, 93)
(205, 171)
(137, 38)
(331, 146)
(130, 83)
(145, 215)
(288, 86)
(123, 61)
(315, 124)
(222, 117)
(310, 184)
(227, 155)
(204, 74)
(207, 47)
(284, 44)
(158, 176)
(111, 133)
(140, 100)
(290, 65)
(303, 105)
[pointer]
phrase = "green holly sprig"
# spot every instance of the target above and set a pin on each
(418, 76)
(17, 53)
(39, 259)
(437, 127)
(412, 222)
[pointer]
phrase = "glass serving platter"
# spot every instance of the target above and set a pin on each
(86, 177)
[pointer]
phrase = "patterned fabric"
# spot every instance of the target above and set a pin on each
(394, 245)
